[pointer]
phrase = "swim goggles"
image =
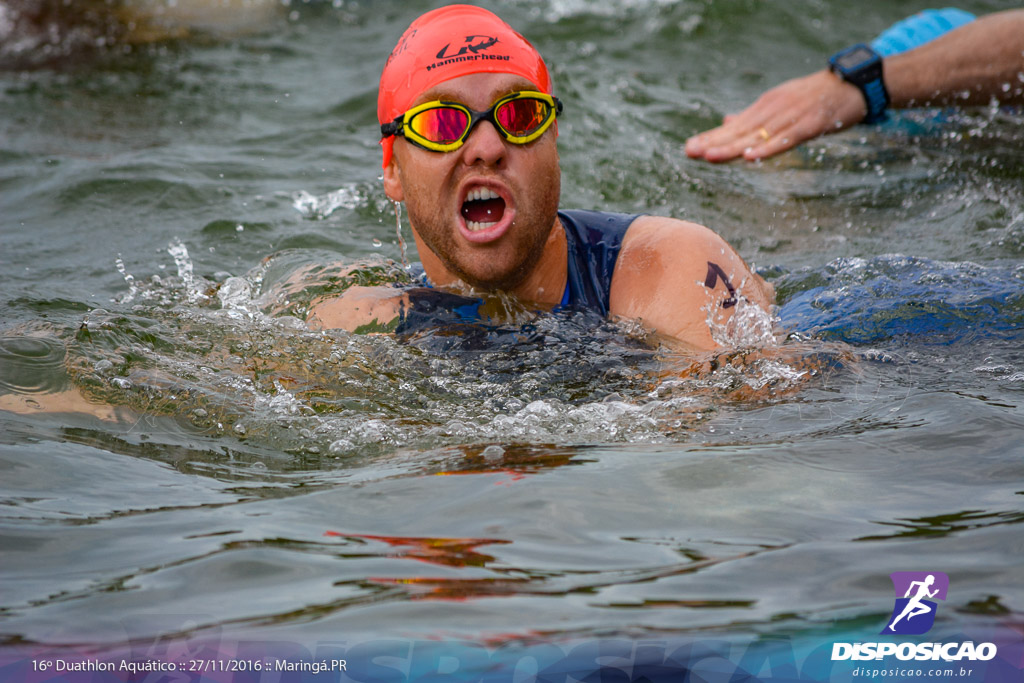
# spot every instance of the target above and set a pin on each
(520, 117)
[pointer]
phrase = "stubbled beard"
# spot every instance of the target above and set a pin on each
(514, 278)
(440, 238)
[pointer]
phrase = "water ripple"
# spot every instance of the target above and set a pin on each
(31, 365)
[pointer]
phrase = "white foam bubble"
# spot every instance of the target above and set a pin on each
(318, 207)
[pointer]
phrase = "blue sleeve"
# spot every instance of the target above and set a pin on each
(919, 29)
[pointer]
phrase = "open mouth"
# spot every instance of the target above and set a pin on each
(482, 209)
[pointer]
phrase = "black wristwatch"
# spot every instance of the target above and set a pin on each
(861, 66)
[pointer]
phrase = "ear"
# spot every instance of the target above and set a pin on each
(393, 181)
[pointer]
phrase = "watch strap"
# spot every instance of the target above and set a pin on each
(877, 98)
(868, 78)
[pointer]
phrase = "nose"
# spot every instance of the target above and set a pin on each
(484, 146)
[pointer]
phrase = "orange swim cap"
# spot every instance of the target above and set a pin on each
(446, 43)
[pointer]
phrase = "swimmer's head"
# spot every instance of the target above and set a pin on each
(446, 43)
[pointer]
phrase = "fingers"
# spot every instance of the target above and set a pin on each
(776, 144)
(723, 145)
(755, 128)
(751, 142)
(720, 144)
(783, 117)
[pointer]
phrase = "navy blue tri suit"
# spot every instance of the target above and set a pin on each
(594, 239)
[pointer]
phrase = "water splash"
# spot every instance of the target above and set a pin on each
(235, 294)
(320, 207)
(129, 279)
(749, 326)
(233, 372)
(249, 370)
(184, 263)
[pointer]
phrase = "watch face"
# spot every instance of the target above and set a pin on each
(855, 58)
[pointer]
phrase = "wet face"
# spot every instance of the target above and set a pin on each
(484, 211)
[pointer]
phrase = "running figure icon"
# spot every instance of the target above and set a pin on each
(916, 593)
(915, 606)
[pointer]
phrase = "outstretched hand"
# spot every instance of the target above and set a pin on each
(782, 118)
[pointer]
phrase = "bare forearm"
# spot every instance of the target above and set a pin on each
(974, 64)
(968, 66)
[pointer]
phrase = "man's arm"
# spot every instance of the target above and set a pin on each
(360, 309)
(973, 64)
(680, 279)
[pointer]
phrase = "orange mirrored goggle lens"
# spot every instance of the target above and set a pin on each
(447, 124)
(521, 117)
(443, 125)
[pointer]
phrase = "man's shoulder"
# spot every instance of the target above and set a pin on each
(587, 225)
(661, 254)
(640, 227)
(675, 275)
(596, 216)
(670, 235)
